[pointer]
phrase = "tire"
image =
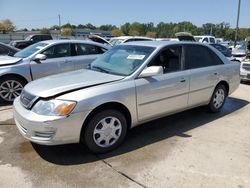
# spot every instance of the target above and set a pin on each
(105, 131)
(10, 88)
(218, 99)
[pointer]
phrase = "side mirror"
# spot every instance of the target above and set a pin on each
(40, 57)
(151, 71)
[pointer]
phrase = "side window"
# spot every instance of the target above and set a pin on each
(205, 40)
(197, 56)
(57, 51)
(45, 37)
(3, 50)
(212, 40)
(36, 38)
(87, 49)
(169, 59)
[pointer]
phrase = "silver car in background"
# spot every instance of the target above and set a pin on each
(130, 84)
(43, 59)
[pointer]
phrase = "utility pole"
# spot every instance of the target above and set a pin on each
(237, 24)
(59, 19)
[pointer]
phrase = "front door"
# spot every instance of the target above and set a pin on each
(167, 93)
(58, 61)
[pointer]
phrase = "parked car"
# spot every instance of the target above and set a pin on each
(240, 52)
(224, 50)
(130, 84)
(124, 39)
(7, 49)
(31, 39)
(245, 70)
(44, 59)
(205, 39)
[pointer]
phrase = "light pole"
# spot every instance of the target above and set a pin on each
(237, 24)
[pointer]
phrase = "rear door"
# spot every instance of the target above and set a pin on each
(205, 68)
(83, 54)
(166, 93)
(57, 61)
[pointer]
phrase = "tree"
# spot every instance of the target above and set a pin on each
(151, 34)
(7, 26)
(107, 27)
(125, 28)
(1, 27)
(66, 32)
(54, 27)
(117, 32)
(45, 31)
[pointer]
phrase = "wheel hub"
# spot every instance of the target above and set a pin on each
(107, 132)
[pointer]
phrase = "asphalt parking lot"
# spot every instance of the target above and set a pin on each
(189, 149)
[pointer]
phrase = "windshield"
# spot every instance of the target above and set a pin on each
(26, 52)
(122, 60)
(115, 42)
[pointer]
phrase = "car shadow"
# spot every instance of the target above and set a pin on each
(143, 135)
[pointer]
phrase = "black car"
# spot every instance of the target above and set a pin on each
(31, 39)
(7, 50)
(224, 50)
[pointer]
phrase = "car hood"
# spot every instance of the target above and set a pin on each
(67, 82)
(8, 60)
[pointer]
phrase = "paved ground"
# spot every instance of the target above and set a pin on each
(190, 149)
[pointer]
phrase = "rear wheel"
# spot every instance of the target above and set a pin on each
(10, 88)
(105, 131)
(218, 98)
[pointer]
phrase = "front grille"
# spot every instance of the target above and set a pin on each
(246, 66)
(27, 99)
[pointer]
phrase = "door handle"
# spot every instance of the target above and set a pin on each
(183, 80)
(215, 73)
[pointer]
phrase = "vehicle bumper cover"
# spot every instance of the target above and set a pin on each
(48, 130)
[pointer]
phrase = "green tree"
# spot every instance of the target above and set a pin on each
(151, 34)
(117, 32)
(125, 28)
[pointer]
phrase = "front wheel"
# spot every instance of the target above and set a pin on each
(105, 131)
(218, 98)
(10, 88)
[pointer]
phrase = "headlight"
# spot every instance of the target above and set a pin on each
(54, 107)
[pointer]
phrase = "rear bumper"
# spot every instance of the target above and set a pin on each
(48, 130)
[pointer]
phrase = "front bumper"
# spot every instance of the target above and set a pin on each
(48, 130)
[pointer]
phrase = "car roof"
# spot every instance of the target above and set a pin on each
(72, 41)
(159, 44)
(130, 37)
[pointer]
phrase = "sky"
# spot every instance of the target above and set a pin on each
(44, 13)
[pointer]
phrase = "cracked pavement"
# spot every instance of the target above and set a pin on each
(188, 150)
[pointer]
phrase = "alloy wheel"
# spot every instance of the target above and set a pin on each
(10, 89)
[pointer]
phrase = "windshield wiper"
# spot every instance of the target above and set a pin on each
(100, 69)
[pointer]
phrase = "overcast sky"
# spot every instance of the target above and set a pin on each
(44, 13)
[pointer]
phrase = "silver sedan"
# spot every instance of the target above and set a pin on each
(44, 59)
(130, 84)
